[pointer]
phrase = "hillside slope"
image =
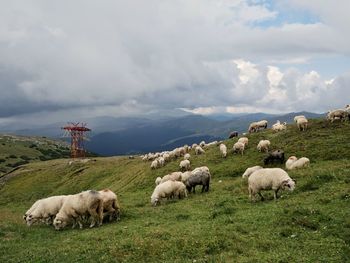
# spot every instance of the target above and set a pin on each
(311, 224)
(18, 150)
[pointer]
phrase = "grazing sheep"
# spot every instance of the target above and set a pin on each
(187, 156)
(168, 189)
(194, 146)
(223, 150)
(238, 147)
(277, 155)
(185, 176)
(251, 170)
(269, 179)
(158, 180)
(199, 150)
(154, 164)
(202, 144)
(211, 144)
(253, 127)
(166, 157)
(175, 176)
(293, 162)
(110, 204)
(87, 203)
(244, 140)
(44, 209)
(278, 126)
(263, 146)
(298, 117)
(185, 165)
(302, 124)
(233, 134)
(339, 114)
(161, 161)
(199, 176)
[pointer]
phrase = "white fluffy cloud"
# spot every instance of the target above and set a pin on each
(97, 57)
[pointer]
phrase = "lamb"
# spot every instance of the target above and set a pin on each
(175, 176)
(298, 117)
(44, 209)
(277, 155)
(233, 134)
(244, 140)
(251, 170)
(294, 163)
(238, 147)
(110, 204)
(263, 146)
(185, 165)
(187, 156)
(199, 150)
(158, 180)
(223, 150)
(167, 190)
(269, 179)
(199, 176)
(88, 203)
(302, 124)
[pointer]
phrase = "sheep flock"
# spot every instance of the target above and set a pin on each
(93, 208)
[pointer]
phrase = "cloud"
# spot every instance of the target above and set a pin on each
(72, 57)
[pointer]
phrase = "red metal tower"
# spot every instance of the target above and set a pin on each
(77, 134)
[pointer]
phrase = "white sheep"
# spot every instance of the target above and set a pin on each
(202, 144)
(88, 203)
(253, 127)
(251, 170)
(263, 146)
(339, 114)
(44, 209)
(158, 180)
(302, 124)
(168, 189)
(110, 204)
(278, 126)
(244, 140)
(210, 144)
(166, 157)
(294, 163)
(223, 150)
(238, 147)
(199, 150)
(154, 164)
(269, 179)
(187, 156)
(175, 176)
(298, 117)
(185, 165)
(161, 161)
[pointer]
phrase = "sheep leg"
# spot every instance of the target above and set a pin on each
(261, 196)
(275, 194)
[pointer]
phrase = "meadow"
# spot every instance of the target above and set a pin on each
(310, 224)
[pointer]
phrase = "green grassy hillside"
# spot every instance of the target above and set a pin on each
(311, 224)
(18, 150)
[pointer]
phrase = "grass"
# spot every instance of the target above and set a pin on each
(311, 224)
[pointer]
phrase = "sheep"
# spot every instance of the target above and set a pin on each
(166, 157)
(185, 176)
(262, 124)
(210, 144)
(302, 124)
(298, 117)
(223, 150)
(253, 127)
(339, 114)
(75, 206)
(277, 155)
(110, 204)
(278, 126)
(199, 176)
(167, 190)
(244, 140)
(251, 170)
(238, 147)
(263, 145)
(161, 161)
(202, 144)
(187, 156)
(154, 164)
(185, 165)
(175, 176)
(269, 179)
(293, 162)
(44, 209)
(158, 180)
(199, 150)
(233, 134)
(194, 146)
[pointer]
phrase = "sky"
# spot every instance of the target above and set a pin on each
(66, 60)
